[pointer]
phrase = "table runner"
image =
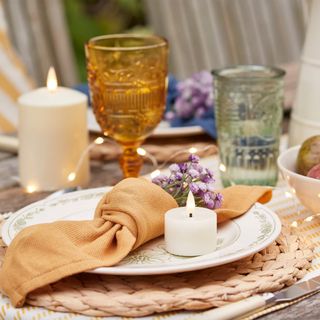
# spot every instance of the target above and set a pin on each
(292, 213)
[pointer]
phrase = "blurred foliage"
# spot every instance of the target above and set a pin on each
(89, 18)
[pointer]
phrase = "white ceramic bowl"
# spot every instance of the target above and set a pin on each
(307, 189)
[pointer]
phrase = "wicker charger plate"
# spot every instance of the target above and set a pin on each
(281, 264)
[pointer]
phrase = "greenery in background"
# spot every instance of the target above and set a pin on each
(89, 18)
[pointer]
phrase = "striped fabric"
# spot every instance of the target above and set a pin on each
(38, 29)
(208, 34)
(13, 80)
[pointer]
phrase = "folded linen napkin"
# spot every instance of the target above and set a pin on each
(125, 218)
(239, 199)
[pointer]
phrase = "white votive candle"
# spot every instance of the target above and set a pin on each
(53, 137)
(190, 231)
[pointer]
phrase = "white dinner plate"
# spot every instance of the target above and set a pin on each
(163, 129)
(237, 238)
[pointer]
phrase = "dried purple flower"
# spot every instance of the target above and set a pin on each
(202, 186)
(191, 176)
(211, 187)
(178, 175)
(195, 97)
(218, 200)
(170, 115)
(161, 180)
(194, 173)
(208, 200)
(174, 168)
(194, 188)
(183, 167)
(194, 158)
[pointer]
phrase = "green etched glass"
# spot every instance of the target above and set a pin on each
(248, 111)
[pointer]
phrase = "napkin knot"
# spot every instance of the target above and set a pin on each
(143, 222)
(131, 214)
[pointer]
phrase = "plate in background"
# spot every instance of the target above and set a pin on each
(163, 130)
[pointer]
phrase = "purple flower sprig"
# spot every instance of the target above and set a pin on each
(190, 176)
(194, 97)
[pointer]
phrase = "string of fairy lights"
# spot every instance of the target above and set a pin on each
(289, 192)
(141, 151)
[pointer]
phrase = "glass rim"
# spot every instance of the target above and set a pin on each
(274, 72)
(161, 42)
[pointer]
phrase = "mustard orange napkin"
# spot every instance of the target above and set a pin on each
(239, 199)
(125, 218)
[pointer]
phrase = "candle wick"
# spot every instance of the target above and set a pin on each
(190, 215)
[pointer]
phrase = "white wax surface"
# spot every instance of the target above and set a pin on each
(53, 136)
(190, 236)
(60, 97)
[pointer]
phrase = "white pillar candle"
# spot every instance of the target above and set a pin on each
(53, 137)
(190, 231)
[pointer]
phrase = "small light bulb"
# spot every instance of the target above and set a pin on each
(71, 176)
(288, 194)
(99, 140)
(154, 173)
(193, 150)
(222, 167)
(30, 189)
(294, 224)
(308, 219)
(141, 152)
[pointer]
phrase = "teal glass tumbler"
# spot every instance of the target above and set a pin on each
(248, 112)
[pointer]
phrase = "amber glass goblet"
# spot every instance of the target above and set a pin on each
(127, 79)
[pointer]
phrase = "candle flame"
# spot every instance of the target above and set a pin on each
(190, 204)
(52, 82)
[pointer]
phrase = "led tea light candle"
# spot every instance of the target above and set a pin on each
(190, 230)
(53, 137)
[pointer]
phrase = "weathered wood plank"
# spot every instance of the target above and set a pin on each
(5, 155)
(13, 197)
(108, 174)
(8, 173)
(307, 309)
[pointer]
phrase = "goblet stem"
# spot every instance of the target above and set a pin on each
(130, 161)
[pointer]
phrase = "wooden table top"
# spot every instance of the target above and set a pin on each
(13, 197)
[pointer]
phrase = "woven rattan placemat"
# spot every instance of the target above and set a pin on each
(281, 264)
